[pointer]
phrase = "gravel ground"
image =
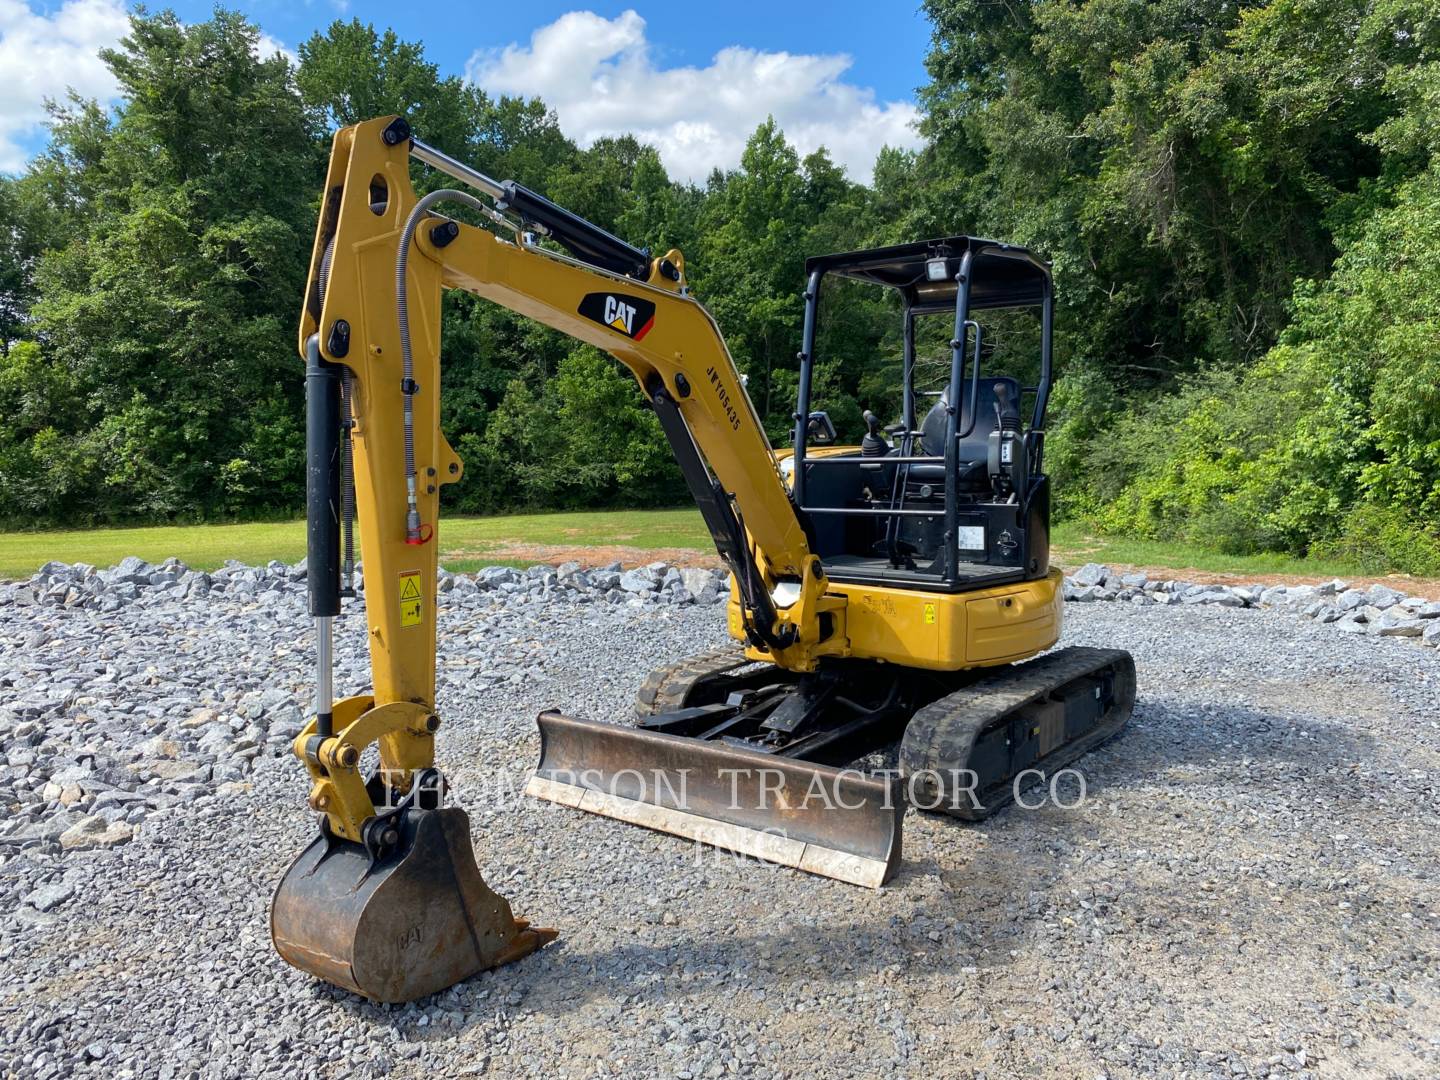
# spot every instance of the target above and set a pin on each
(1246, 890)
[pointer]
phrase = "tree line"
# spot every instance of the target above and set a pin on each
(1242, 202)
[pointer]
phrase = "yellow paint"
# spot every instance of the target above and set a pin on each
(916, 629)
(683, 339)
(406, 744)
(891, 624)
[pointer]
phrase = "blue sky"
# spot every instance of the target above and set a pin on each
(693, 78)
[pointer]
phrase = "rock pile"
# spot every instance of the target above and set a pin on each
(656, 583)
(80, 585)
(1378, 610)
(107, 715)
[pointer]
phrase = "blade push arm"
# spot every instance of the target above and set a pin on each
(664, 337)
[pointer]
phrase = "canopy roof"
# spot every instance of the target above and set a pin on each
(1002, 275)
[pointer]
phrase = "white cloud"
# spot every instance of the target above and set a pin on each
(599, 77)
(268, 46)
(42, 55)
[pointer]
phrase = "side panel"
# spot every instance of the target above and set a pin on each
(946, 632)
(1012, 622)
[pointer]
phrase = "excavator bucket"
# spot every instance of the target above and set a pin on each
(837, 823)
(397, 928)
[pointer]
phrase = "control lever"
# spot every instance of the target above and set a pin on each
(873, 444)
(1007, 465)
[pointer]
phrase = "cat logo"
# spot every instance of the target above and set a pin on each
(628, 315)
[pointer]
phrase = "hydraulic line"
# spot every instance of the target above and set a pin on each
(347, 484)
(408, 386)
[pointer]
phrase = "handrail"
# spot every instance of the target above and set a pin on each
(951, 553)
(974, 382)
(890, 459)
(866, 511)
(802, 404)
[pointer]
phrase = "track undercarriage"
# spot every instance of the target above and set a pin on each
(744, 756)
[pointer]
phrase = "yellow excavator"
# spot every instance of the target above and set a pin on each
(892, 592)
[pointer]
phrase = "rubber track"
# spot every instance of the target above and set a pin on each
(665, 689)
(941, 736)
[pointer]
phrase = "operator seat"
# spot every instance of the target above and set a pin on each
(972, 462)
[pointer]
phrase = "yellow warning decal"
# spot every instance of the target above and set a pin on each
(411, 601)
(929, 615)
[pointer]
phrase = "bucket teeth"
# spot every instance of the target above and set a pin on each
(836, 823)
(419, 920)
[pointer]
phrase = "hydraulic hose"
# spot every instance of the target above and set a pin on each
(347, 484)
(408, 386)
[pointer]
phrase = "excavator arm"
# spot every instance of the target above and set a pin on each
(387, 371)
(377, 458)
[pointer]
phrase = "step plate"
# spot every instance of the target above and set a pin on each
(837, 823)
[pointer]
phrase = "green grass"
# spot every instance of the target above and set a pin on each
(465, 542)
(202, 546)
(1072, 545)
(470, 542)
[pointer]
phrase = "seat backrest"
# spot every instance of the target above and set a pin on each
(974, 446)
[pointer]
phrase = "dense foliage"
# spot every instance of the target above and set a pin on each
(1240, 200)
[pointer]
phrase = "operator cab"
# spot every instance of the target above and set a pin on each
(952, 495)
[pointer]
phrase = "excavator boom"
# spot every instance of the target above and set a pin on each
(370, 334)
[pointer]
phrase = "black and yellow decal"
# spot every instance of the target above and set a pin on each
(632, 316)
(411, 601)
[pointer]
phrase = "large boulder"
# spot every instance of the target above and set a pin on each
(44, 831)
(95, 832)
(1382, 596)
(1397, 622)
(1351, 600)
(697, 579)
(133, 568)
(492, 577)
(50, 896)
(639, 581)
(1352, 624)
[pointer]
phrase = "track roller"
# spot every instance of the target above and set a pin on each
(962, 753)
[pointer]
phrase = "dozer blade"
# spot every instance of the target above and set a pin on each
(416, 921)
(836, 823)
